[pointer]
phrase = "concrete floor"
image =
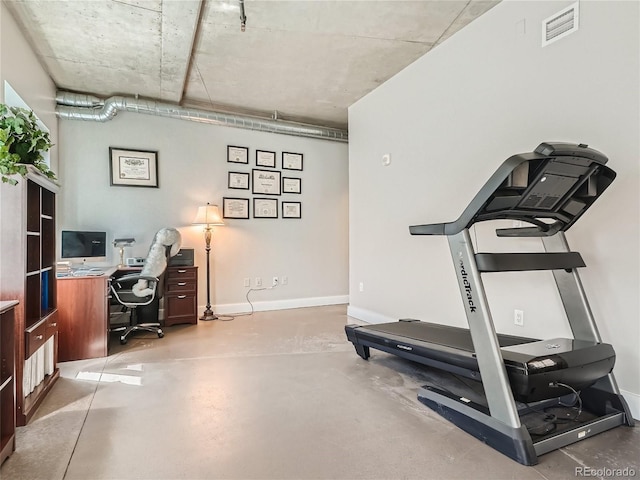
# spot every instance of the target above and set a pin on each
(274, 395)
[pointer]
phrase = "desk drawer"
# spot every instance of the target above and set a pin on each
(34, 338)
(180, 309)
(180, 286)
(182, 273)
(51, 325)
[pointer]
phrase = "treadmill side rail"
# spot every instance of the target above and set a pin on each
(514, 442)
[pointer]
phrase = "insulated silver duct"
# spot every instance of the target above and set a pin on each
(74, 106)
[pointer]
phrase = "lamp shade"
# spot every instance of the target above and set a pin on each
(208, 215)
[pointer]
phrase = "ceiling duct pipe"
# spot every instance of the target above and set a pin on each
(72, 106)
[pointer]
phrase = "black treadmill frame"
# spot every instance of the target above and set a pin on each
(501, 427)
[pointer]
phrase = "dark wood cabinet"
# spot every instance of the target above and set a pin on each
(27, 268)
(181, 296)
(7, 380)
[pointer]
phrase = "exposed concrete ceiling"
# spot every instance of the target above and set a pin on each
(306, 60)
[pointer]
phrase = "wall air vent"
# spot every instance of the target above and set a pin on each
(559, 25)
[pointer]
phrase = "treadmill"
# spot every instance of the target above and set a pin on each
(523, 381)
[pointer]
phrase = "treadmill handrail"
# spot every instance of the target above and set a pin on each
(476, 210)
(519, 262)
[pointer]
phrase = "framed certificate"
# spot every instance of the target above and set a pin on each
(265, 182)
(235, 207)
(291, 161)
(291, 210)
(265, 159)
(237, 154)
(265, 208)
(133, 168)
(291, 185)
(239, 180)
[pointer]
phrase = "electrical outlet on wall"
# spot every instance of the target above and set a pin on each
(518, 317)
(258, 281)
(247, 282)
(274, 283)
(284, 280)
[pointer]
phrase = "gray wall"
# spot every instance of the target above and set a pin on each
(450, 119)
(312, 252)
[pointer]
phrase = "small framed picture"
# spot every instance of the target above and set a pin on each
(291, 185)
(291, 210)
(235, 208)
(265, 208)
(237, 154)
(265, 182)
(291, 161)
(239, 180)
(265, 159)
(133, 168)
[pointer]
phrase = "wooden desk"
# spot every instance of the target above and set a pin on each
(83, 316)
(83, 309)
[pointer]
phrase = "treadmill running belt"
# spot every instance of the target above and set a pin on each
(446, 336)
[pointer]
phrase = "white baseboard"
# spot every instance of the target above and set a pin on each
(633, 400)
(230, 308)
(368, 316)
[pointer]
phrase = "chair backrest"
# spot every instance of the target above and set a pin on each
(161, 283)
(166, 244)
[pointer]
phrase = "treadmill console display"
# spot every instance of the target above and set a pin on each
(556, 183)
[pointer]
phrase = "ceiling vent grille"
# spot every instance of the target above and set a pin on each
(558, 26)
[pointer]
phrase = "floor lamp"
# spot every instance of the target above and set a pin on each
(208, 215)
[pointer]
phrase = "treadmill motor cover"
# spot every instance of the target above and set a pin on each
(536, 369)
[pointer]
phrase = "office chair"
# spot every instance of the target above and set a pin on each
(140, 289)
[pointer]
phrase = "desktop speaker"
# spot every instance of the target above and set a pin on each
(184, 258)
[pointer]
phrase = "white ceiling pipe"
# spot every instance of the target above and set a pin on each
(74, 106)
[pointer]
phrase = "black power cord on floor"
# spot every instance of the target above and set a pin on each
(549, 419)
(577, 400)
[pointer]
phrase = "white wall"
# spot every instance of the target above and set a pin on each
(312, 252)
(21, 68)
(450, 119)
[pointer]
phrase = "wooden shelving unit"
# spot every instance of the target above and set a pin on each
(7, 380)
(27, 268)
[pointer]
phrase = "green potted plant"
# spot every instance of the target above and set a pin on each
(22, 142)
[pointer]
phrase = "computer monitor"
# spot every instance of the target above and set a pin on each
(80, 244)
